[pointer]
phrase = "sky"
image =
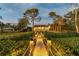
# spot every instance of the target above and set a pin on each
(12, 12)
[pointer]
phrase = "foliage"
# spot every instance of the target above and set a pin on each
(72, 19)
(14, 44)
(1, 26)
(68, 42)
(22, 23)
(52, 14)
(31, 14)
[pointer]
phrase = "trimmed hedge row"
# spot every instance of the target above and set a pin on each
(61, 35)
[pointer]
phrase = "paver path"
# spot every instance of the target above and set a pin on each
(40, 49)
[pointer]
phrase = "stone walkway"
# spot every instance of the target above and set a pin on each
(40, 49)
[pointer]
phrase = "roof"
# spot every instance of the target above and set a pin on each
(40, 25)
(60, 21)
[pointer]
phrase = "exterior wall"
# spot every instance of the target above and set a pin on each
(8, 30)
(55, 28)
(52, 28)
(40, 29)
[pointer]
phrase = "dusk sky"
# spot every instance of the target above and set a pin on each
(11, 12)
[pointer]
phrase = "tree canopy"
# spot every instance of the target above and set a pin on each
(31, 13)
(23, 22)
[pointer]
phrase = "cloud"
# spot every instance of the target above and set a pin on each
(9, 21)
(11, 12)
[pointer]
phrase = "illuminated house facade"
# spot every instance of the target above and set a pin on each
(41, 28)
(56, 27)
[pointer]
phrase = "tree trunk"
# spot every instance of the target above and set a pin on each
(32, 23)
(1, 29)
(77, 30)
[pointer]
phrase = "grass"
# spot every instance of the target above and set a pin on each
(12, 35)
(68, 43)
(13, 44)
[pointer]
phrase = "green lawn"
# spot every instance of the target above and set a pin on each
(14, 43)
(68, 42)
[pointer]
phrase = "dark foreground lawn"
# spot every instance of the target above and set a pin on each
(66, 43)
(14, 44)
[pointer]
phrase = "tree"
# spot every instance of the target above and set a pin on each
(14, 26)
(2, 26)
(52, 15)
(76, 16)
(1, 23)
(7, 25)
(1, 16)
(72, 19)
(55, 17)
(23, 22)
(58, 20)
(32, 13)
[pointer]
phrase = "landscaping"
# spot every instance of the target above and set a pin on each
(66, 43)
(14, 44)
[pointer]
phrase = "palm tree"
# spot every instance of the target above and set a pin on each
(31, 13)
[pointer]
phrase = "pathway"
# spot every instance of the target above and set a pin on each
(40, 49)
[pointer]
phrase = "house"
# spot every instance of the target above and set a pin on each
(8, 29)
(41, 28)
(55, 27)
